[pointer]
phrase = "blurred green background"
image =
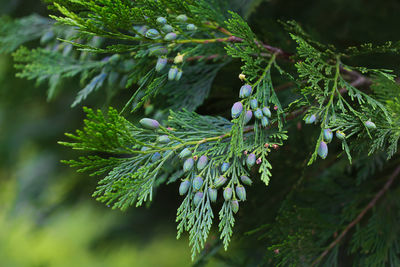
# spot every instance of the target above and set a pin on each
(47, 214)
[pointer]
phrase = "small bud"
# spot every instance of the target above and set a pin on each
(266, 112)
(182, 18)
(185, 153)
(197, 198)
(323, 150)
(170, 36)
(251, 160)
(220, 181)
(254, 103)
(164, 139)
(161, 20)
(275, 146)
(179, 58)
(152, 34)
(178, 75)
(156, 156)
(149, 124)
(235, 206)
(340, 135)
(328, 135)
(184, 187)
(246, 180)
(247, 116)
(188, 165)
(369, 124)
(310, 119)
(228, 193)
(161, 63)
(195, 157)
(197, 183)
(173, 71)
(241, 192)
(242, 76)
(167, 28)
(191, 27)
(245, 152)
(245, 91)
(202, 163)
(258, 161)
(213, 193)
(258, 113)
(225, 167)
(264, 121)
(237, 108)
(275, 108)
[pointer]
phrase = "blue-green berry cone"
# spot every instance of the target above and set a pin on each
(213, 193)
(241, 192)
(164, 139)
(310, 119)
(328, 135)
(323, 150)
(235, 206)
(202, 162)
(149, 124)
(237, 109)
(161, 20)
(178, 75)
(152, 34)
(246, 180)
(267, 112)
(184, 187)
(185, 153)
(170, 36)
(191, 27)
(173, 71)
(188, 165)
(158, 50)
(182, 18)
(197, 198)
(156, 156)
(220, 181)
(247, 116)
(254, 103)
(197, 183)
(340, 135)
(161, 63)
(370, 125)
(251, 160)
(167, 28)
(264, 121)
(225, 167)
(258, 113)
(245, 91)
(228, 193)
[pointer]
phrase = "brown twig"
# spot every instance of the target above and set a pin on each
(360, 216)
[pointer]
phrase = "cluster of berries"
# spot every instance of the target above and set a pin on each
(328, 135)
(196, 182)
(261, 113)
(168, 34)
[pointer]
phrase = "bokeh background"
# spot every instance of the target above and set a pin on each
(47, 214)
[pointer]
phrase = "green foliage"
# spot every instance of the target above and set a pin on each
(330, 89)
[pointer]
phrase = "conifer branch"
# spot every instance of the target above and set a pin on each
(370, 205)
